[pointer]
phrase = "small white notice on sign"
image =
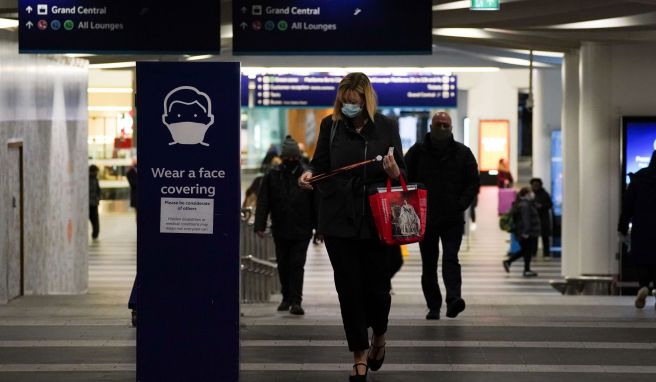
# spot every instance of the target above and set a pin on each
(186, 215)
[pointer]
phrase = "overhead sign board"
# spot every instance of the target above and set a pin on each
(106, 26)
(329, 26)
(485, 5)
(319, 90)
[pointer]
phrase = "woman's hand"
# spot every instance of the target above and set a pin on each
(303, 181)
(390, 166)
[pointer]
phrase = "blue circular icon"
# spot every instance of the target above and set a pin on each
(270, 25)
(55, 25)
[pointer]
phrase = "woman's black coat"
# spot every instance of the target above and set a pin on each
(344, 207)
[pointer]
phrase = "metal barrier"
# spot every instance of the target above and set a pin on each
(259, 272)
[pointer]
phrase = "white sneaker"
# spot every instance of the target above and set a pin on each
(472, 227)
(641, 297)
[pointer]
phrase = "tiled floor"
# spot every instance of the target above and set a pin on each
(514, 329)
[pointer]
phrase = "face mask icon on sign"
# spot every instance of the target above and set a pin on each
(188, 115)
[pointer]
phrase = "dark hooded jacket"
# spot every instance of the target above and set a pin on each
(451, 176)
(639, 208)
(292, 209)
(526, 219)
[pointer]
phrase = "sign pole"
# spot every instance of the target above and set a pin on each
(188, 221)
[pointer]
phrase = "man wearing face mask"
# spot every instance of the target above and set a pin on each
(292, 218)
(449, 171)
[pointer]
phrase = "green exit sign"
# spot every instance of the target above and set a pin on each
(485, 5)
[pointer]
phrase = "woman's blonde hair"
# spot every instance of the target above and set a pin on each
(359, 83)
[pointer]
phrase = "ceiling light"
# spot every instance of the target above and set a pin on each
(254, 71)
(114, 65)
(613, 22)
(466, 4)
(78, 55)
(110, 108)
(111, 90)
(518, 61)
(201, 57)
(462, 32)
(540, 53)
(8, 23)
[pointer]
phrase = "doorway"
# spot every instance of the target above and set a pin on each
(15, 255)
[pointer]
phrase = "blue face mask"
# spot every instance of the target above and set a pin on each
(351, 110)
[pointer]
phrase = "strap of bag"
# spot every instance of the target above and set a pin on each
(333, 130)
(403, 184)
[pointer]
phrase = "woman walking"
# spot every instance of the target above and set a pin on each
(353, 133)
(527, 230)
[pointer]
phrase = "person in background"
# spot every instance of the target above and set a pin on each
(305, 159)
(132, 181)
(355, 132)
(292, 221)
(504, 177)
(544, 204)
(527, 230)
(449, 171)
(94, 201)
(639, 208)
(271, 159)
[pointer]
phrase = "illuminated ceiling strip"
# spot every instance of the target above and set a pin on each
(8, 23)
(540, 53)
(110, 108)
(464, 4)
(645, 19)
(111, 90)
(253, 71)
(462, 32)
(201, 57)
(114, 65)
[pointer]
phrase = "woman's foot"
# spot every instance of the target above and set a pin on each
(376, 354)
(359, 372)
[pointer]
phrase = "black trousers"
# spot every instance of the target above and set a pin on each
(646, 274)
(362, 280)
(95, 221)
(546, 244)
(291, 255)
(528, 248)
(451, 238)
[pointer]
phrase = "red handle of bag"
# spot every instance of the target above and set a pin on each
(389, 184)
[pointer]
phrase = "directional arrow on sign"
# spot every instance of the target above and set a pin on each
(29, 25)
(29, 9)
(243, 26)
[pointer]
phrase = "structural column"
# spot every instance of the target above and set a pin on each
(546, 118)
(570, 126)
(597, 238)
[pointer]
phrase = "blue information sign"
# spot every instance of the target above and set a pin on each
(318, 90)
(100, 26)
(188, 221)
(329, 26)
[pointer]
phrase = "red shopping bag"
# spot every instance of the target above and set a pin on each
(399, 212)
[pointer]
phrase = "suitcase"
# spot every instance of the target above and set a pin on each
(506, 199)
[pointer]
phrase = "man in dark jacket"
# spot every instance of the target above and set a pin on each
(449, 171)
(94, 200)
(543, 204)
(292, 218)
(639, 208)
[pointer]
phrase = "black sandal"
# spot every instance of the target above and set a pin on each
(375, 364)
(359, 377)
